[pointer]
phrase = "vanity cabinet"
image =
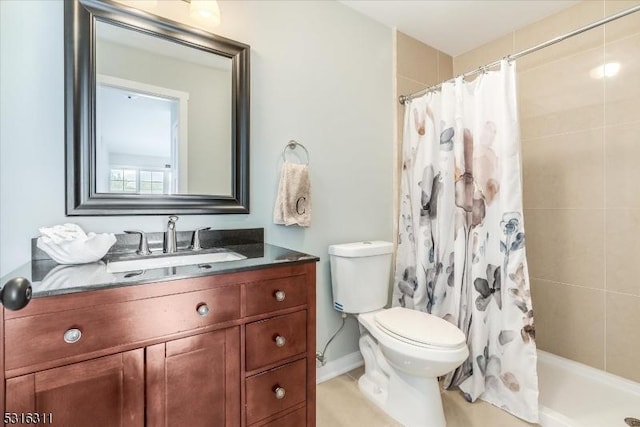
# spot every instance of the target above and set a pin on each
(194, 382)
(231, 349)
(102, 392)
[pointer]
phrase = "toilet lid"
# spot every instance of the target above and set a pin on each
(419, 327)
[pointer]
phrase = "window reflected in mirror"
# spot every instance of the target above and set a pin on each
(163, 116)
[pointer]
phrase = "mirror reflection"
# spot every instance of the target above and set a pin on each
(163, 116)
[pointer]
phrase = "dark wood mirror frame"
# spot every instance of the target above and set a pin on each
(81, 196)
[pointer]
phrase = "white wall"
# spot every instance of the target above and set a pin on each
(320, 74)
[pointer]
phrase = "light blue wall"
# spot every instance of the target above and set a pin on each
(320, 74)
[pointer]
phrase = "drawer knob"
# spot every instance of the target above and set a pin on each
(72, 335)
(280, 341)
(280, 392)
(280, 296)
(203, 310)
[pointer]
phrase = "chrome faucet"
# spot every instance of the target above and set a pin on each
(143, 247)
(170, 244)
(195, 240)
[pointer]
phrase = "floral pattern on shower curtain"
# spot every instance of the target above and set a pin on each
(461, 247)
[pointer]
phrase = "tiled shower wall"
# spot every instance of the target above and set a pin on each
(581, 166)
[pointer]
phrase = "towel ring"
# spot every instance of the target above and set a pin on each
(291, 145)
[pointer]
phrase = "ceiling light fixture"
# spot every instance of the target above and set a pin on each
(140, 4)
(609, 69)
(145, 3)
(205, 10)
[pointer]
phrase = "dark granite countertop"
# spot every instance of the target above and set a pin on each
(49, 278)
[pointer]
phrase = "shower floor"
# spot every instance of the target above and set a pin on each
(576, 395)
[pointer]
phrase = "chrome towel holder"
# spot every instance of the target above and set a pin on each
(291, 145)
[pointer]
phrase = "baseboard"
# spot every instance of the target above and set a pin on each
(340, 366)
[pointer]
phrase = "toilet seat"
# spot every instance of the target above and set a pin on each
(419, 328)
(406, 349)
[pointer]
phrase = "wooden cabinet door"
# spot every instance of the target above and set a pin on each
(195, 381)
(108, 391)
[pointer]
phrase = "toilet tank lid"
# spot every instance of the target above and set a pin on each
(361, 249)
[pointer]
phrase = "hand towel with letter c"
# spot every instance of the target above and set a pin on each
(293, 202)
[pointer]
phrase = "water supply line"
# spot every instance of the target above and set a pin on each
(320, 355)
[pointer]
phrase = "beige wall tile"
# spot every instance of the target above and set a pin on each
(407, 86)
(561, 23)
(622, 92)
(566, 245)
(416, 60)
(483, 55)
(569, 321)
(622, 27)
(564, 171)
(570, 162)
(622, 165)
(623, 247)
(445, 67)
(613, 6)
(623, 339)
(561, 96)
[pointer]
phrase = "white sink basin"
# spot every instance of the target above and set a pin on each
(171, 261)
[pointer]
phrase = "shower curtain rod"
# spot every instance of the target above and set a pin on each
(407, 98)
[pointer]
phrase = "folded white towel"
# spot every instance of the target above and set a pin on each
(61, 233)
(293, 202)
(69, 244)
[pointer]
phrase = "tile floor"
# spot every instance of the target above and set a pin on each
(340, 404)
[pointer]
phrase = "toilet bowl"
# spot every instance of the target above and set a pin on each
(410, 350)
(419, 344)
(404, 351)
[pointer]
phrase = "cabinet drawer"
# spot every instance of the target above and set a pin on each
(41, 338)
(296, 418)
(275, 294)
(274, 339)
(263, 398)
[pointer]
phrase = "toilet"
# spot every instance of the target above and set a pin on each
(404, 351)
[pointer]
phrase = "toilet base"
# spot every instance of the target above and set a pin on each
(412, 401)
(402, 379)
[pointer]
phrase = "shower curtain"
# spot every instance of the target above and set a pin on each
(461, 242)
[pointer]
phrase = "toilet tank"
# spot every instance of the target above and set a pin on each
(360, 275)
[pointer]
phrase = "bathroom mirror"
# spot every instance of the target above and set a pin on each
(157, 115)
